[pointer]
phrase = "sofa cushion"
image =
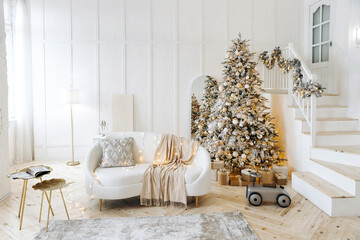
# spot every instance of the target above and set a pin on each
(122, 176)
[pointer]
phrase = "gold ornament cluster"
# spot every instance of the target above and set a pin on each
(304, 89)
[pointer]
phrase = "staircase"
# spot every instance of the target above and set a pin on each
(332, 181)
(331, 176)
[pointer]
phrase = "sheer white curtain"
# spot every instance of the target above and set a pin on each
(22, 83)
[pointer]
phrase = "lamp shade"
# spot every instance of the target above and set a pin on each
(72, 96)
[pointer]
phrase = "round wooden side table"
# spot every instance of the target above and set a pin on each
(51, 185)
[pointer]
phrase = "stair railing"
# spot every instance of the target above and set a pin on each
(277, 80)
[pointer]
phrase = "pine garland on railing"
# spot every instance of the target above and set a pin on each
(285, 65)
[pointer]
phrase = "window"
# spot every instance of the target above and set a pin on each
(321, 34)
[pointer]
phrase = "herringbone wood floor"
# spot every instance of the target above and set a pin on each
(302, 220)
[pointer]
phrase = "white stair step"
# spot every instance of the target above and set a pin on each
(325, 112)
(323, 106)
(343, 176)
(320, 192)
(336, 138)
(348, 155)
(328, 99)
(332, 124)
(330, 119)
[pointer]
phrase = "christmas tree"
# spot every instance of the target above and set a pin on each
(210, 96)
(243, 134)
(195, 108)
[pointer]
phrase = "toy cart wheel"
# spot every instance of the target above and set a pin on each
(255, 199)
(283, 200)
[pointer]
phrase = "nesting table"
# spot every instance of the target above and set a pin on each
(24, 190)
(51, 185)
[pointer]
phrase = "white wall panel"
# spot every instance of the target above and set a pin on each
(37, 23)
(84, 26)
(214, 55)
(137, 20)
(189, 69)
(163, 12)
(163, 85)
(57, 20)
(86, 120)
(215, 20)
(153, 49)
(57, 79)
(111, 24)
(286, 31)
(38, 93)
(189, 23)
(111, 78)
(264, 22)
(137, 80)
(239, 19)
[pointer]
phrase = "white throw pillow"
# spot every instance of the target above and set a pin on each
(117, 152)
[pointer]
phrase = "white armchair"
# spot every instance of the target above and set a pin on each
(126, 182)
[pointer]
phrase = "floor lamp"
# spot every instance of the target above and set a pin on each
(72, 96)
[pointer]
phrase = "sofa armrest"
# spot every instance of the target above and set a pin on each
(92, 162)
(201, 186)
(202, 159)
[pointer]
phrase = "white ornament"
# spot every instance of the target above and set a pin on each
(247, 86)
(243, 156)
(235, 154)
(235, 121)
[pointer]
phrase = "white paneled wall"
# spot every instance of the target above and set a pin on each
(153, 49)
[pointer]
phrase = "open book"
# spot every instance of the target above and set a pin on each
(31, 172)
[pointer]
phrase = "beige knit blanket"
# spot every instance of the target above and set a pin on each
(164, 180)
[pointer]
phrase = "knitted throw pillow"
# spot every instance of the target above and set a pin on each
(117, 152)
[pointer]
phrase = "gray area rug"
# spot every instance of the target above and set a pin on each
(229, 225)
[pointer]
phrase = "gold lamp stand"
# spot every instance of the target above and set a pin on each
(73, 162)
(72, 96)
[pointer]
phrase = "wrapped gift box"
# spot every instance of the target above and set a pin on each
(281, 179)
(223, 178)
(244, 183)
(281, 169)
(214, 174)
(267, 177)
(234, 180)
(235, 173)
(217, 165)
(245, 175)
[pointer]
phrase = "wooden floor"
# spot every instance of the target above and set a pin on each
(302, 220)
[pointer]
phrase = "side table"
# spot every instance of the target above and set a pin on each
(24, 190)
(51, 185)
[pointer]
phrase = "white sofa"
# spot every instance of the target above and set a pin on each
(126, 182)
